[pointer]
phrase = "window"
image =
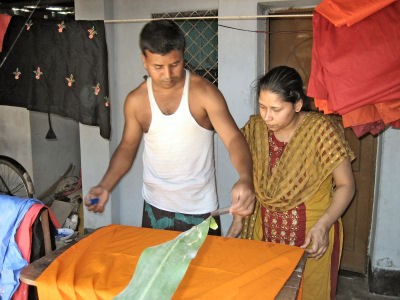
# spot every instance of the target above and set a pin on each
(201, 38)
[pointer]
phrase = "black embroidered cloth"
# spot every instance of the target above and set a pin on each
(57, 67)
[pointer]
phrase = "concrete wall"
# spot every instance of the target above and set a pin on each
(385, 249)
(385, 243)
(15, 136)
(22, 137)
(52, 158)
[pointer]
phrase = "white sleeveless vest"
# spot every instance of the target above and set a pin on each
(178, 160)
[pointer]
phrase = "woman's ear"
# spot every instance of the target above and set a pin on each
(298, 105)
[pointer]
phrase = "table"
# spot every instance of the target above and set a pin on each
(289, 291)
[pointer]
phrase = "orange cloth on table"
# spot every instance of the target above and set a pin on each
(345, 12)
(101, 265)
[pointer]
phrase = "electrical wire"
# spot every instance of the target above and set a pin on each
(210, 17)
(263, 31)
(19, 34)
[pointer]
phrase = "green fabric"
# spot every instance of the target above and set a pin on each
(161, 268)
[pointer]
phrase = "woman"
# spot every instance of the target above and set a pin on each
(302, 176)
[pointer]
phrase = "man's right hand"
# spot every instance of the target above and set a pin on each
(97, 192)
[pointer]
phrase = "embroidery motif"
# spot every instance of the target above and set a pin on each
(17, 74)
(92, 32)
(61, 26)
(107, 101)
(38, 73)
(28, 25)
(70, 80)
(97, 89)
(282, 227)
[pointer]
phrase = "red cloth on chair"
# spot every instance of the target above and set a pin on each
(23, 238)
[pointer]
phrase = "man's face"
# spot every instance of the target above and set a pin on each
(165, 70)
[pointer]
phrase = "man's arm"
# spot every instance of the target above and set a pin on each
(121, 160)
(243, 190)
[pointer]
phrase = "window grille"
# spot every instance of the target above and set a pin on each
(201, 38)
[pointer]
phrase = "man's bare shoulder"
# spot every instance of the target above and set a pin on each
(200, 87)
(138, 95)
(137, 106)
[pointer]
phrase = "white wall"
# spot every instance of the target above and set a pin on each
(15, 136)
(51, 158)
(22, 137)
(385, 248)
(238, 67)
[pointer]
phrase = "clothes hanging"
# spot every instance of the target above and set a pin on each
(356, 70)
(4, 20)
(345, 12)
(57, 67)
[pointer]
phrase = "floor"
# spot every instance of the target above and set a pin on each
(354, 287)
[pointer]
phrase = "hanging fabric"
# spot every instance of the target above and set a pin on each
(57, 67)
(345, 12)
(356, 70)
(4, 20)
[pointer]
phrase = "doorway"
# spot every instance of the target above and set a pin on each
(289, 42)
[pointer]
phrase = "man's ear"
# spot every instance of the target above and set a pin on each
(144, 60)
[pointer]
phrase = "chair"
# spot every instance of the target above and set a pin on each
(28, 231)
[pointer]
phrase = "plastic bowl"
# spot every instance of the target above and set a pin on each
(64, 233)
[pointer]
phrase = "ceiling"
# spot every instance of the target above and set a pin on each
(47, 9)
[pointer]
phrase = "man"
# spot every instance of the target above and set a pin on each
(176, 113)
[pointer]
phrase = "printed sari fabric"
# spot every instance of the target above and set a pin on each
(294, 194)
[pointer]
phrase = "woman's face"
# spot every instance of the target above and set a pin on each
(277, 113)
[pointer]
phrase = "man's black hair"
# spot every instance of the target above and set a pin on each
(161, 37)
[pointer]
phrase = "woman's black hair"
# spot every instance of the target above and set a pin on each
(161, 37)
(286, 82)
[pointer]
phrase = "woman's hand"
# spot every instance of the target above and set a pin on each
(236, 227)
(316, 242)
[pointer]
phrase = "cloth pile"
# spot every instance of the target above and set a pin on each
(355, 68)
(16, 237)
